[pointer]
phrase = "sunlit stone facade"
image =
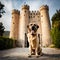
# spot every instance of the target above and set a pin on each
(21, 19)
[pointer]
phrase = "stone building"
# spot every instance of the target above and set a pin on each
(20, 20)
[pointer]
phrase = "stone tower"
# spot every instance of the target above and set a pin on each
(45, 24)
(14, 24)
(24, 20)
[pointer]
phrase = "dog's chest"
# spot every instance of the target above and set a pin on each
(32, 40)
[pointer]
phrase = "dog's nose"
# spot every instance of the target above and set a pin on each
(33, 28)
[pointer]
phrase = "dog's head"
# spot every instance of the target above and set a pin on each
(32, 28)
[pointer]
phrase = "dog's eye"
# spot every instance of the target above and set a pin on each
(31, 24)
(37, 26)
(27, 26)
(34, 24)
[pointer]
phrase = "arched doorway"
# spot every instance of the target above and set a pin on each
(26, 40)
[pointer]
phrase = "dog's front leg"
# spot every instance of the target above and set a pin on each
(30, 51)
(36, 52)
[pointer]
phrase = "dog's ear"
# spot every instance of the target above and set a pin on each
(37, 26)
(27, 26)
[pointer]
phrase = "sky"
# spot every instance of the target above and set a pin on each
(34, 5)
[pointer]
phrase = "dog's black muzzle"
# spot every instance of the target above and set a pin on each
(34, 28)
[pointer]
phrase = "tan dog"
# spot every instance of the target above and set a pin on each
(34, 46)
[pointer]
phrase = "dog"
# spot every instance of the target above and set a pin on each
(34, 46)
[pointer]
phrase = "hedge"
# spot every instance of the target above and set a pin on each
(6, 43)
(55, 33)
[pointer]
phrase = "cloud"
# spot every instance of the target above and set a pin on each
(8, 5)
(33, 4)
(6, 18)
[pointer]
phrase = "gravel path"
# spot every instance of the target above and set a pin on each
(22, 54)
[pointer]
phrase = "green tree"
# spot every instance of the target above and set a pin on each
(55, 31)
(1, 29)
(56, 19)
(56, 37)
(1, 24)
(1, 9)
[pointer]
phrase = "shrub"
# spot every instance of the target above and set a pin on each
(52, 46)
(55, 37)
(56, 29)
(6, 43)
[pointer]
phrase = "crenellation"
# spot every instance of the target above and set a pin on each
(34, 13)
(25, 7)
(14, 11)
(38, 13)
(44, 7)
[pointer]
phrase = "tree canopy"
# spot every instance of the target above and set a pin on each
(1, 29)
(1, 9)
(56, 19)
(55, 31)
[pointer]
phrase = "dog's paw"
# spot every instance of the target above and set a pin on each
(29, 55)
(41, 54)
(37, 56)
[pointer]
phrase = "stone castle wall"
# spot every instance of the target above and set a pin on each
(21, 20)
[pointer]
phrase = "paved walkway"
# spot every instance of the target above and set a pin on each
(22, 54)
